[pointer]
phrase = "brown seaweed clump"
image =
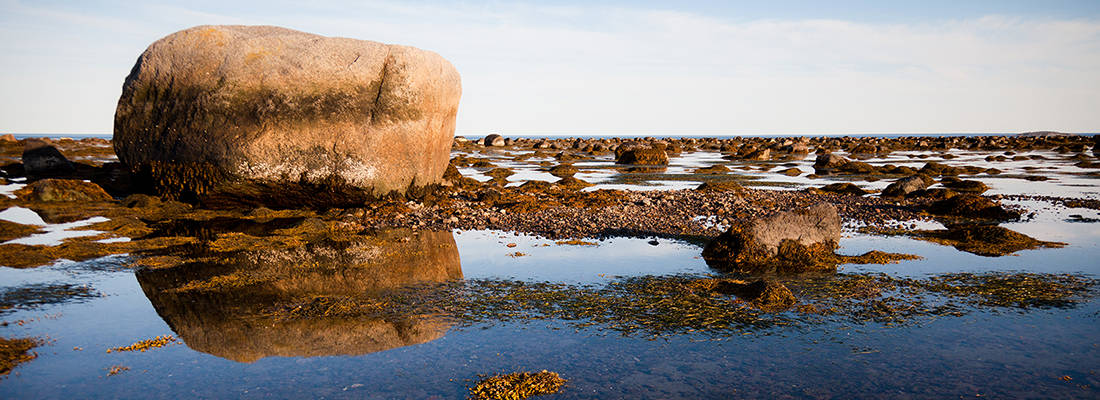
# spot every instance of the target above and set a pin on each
(517, 385)
(14, 352)
(147, 344)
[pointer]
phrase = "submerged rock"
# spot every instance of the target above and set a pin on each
(986, 240)
(788, 242)
(971, 206)
(767, 295)
(268, 115)
(50, 190)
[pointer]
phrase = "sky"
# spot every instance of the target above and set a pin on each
(625, 67)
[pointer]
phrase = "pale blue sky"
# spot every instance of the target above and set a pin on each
(626, 67)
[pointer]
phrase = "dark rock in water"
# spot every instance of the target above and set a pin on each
(907, 185)
(43, 160)
(788, 242)
(767, 295)
(975, 187)
(829, 163)
(986, 240)
(934, 194)
(563, 170)
(494, 140)
(51, 190)
(971, 206)
(845, 188)
(642, 156)
(322, 299)
(268, 115)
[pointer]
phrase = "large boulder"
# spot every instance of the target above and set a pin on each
(262, 114)
(788, 242)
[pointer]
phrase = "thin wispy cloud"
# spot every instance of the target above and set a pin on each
(613, 69)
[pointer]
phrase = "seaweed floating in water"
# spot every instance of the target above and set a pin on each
(142, 345)
(14, 352)
(518, 385)
(34, 295)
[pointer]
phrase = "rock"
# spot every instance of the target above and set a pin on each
(986, 240)
(494, 140)
(845, 188)
(500, 174)
(791, 172)
(643, 156)
(43, 160)
(563, 170)
(572, 183)
(975, 187)
(788, 242)
(713, 169)
(907, 185)
(268, 115)
(767, 295)
(829, 163)
(971, 206)
(50, 190)
(759, 155)
(8, 138)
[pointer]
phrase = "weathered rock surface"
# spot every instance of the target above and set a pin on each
(788, 242)
(262, 114)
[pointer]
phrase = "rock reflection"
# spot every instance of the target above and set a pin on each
(231, 308)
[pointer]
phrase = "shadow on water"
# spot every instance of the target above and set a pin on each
(235, 307)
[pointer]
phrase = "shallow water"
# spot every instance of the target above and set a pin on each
(1064, 178)
(231, 349)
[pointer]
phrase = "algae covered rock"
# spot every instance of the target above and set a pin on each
(42, 159)
(788, 242)
(51, 190)
(971, 206)
(273, 116)
(904, 186)
(640, 154)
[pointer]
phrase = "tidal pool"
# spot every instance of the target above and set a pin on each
(322, 323)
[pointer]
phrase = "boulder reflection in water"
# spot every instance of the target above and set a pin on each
(229, 308)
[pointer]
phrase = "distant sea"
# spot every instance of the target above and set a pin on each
(549, 136)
